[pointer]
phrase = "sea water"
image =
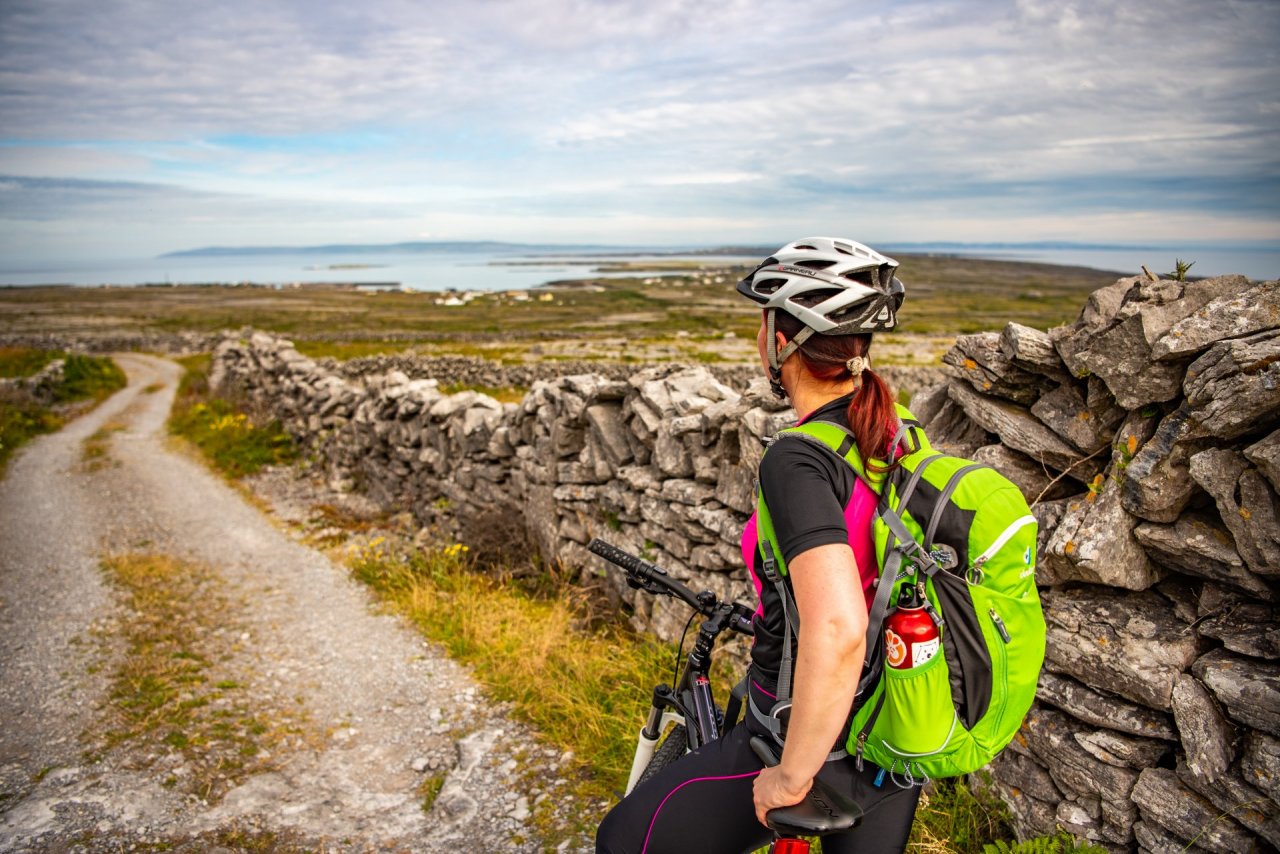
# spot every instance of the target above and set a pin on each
(491, 271)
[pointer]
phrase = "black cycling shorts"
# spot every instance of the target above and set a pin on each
(702, 803)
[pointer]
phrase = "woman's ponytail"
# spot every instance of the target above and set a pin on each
(873, 419)
(872, 415)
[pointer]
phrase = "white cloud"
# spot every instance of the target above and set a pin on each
(583, 111)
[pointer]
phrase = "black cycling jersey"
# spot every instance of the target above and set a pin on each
(807, 489)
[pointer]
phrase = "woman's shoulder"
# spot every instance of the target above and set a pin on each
(797, 456)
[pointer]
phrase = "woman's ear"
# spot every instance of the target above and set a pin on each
(780, 340)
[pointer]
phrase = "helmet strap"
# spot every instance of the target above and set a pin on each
(776, 357)
(771, 350)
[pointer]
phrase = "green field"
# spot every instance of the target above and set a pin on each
(694, 304)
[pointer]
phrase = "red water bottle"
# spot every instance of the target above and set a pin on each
(910, 633)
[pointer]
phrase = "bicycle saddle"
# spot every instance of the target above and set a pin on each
(824, 810)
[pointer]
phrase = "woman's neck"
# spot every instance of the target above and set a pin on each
(808, 395)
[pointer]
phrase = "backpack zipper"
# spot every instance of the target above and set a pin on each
(866, 730)
(999, 623)
(1005, 536)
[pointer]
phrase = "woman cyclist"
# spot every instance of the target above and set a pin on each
(821, 299)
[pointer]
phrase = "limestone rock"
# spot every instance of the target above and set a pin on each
(1094, 542)
(671, 456)
(1073, 342)
(1250, 689)
(1265, 454)
(1079, 817)
(1016, 427)
(1029, 477)
(1156, 483)
(979, 360)
(1236, 798)
(1032, 350)
(1123, 751)
(1049, 736)
(1247, 505)
(1121, 358)
(1245, 626)
(606, 420)
(1130, 642)
(951, 431)
(928, 402)
(1032, 816)
(1025, 776)
(1183, 594)
(1200, 545)
(1120, 352)
(1207, 737)
(1234, 388)
(1104, 710)
(1166, 802)
(1233, 315)
(1154, 839)
(1066, 413)
(1260, 763)
(1048, 515)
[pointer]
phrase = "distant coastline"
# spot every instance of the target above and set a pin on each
(597, 250)
(485, 265)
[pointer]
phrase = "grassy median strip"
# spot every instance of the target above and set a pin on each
(170, 692)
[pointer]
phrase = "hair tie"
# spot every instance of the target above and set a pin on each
(858, 364)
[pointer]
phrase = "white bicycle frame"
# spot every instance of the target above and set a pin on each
(646, 746)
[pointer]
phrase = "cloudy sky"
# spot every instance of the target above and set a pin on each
(131, 128)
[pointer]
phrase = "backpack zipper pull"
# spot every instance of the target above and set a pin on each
(857, 755)
(999, 623)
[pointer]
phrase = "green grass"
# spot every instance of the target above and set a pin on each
(585, 690)
(86, 378)
(502, 394)
(21, 420)
(25, 361)
(89, 377)
(227, 436)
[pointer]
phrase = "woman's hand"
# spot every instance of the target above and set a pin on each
(772, 789)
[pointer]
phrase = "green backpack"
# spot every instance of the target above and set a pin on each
(964, 532)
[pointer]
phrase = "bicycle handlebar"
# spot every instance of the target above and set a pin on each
(654, 579)
(641, 570)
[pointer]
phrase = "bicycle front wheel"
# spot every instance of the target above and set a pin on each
(675, 745)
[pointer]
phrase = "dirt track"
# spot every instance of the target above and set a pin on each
(373, 713)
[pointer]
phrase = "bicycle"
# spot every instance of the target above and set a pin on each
(689, 708)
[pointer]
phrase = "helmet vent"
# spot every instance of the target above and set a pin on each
(814, 263)
(806, 246)
(862, 277)
(768, 286)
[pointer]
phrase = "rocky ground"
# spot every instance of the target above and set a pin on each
(365, 737)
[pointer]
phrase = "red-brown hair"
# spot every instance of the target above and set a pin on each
(872, 416)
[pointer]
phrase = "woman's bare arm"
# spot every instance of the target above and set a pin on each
(832, 643)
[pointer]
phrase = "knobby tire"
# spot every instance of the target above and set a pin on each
(672, 748)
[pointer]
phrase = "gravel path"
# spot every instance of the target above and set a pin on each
(375, 711)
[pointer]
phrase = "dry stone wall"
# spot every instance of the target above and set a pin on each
(1146, 435)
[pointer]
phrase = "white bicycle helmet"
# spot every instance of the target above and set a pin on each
(832, 285)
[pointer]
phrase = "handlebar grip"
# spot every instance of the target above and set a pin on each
(627, 561)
